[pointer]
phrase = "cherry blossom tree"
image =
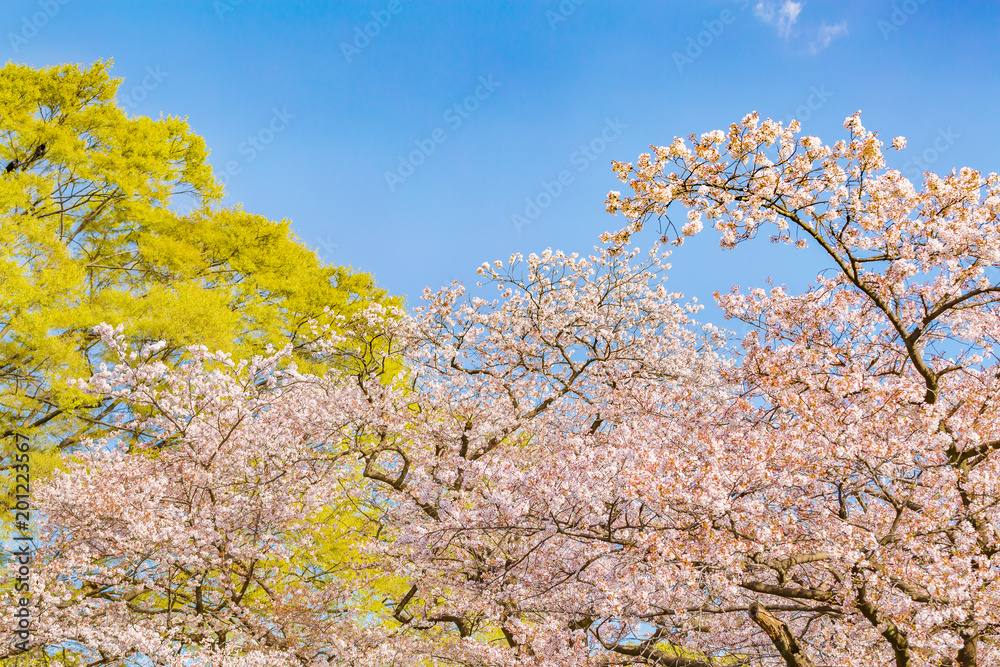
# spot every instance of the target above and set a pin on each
(575, 473)
(204, 534)
(829, 500)
(203, 531)
(511, 469)
(862, 478)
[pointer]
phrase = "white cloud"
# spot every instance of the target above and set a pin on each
(782, 16)
(827, 33)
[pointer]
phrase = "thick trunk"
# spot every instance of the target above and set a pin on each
(781, 636)
(895, 636)
(967, 656)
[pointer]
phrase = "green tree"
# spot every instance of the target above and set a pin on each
(110, 218)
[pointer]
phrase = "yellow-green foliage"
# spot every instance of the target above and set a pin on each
(40, 658)
(111, 218)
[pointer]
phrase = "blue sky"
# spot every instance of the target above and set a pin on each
(403, 137)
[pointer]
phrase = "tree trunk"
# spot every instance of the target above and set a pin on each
(967, 656)
(781, 636)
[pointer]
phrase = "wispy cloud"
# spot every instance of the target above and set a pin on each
(784, 15)
(781, 15)
(826, 34)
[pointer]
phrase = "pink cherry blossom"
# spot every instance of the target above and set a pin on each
(571, 471)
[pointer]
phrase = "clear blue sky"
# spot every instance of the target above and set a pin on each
(333, 110)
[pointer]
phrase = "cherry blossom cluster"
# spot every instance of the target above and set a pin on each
(570, 470)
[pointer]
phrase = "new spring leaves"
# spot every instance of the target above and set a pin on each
(574, 473)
